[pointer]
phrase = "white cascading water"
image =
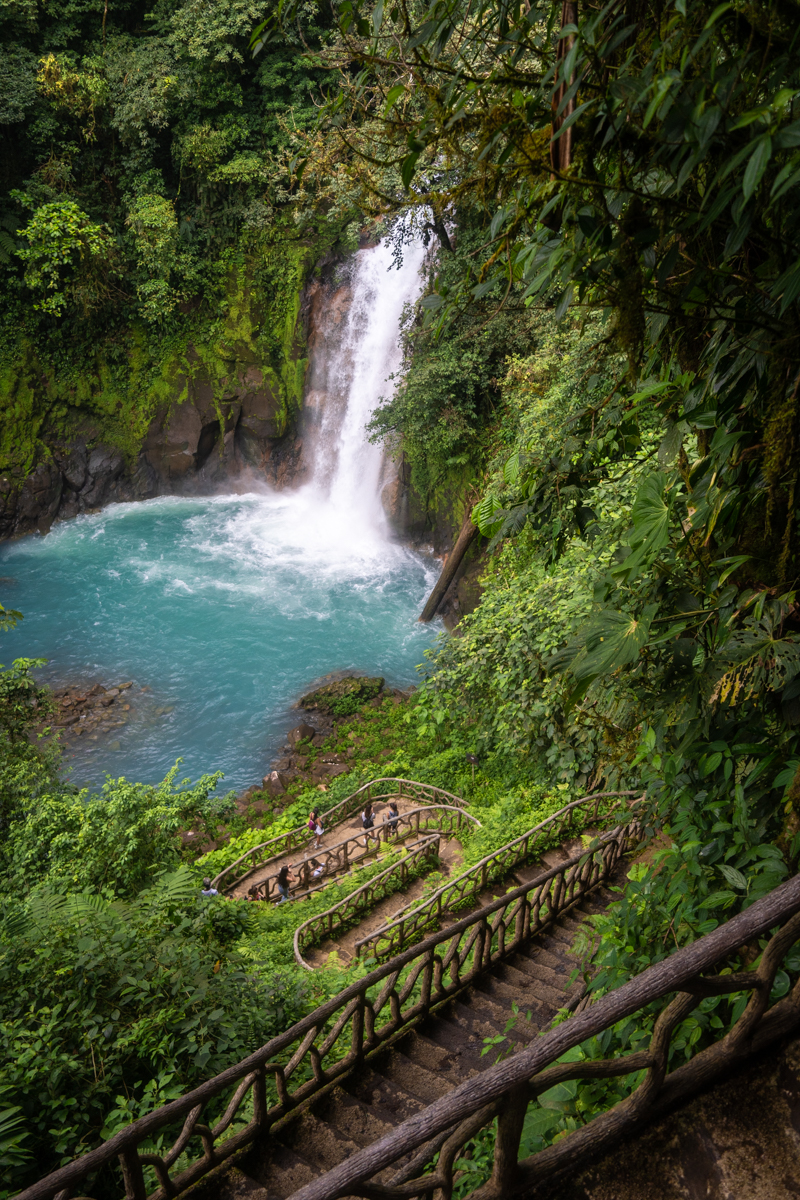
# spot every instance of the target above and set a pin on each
(348, 470)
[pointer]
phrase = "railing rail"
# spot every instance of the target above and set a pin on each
(385, 788)
(308, 1058)
(338, 858)
(339, 916)
(505, 1091)
(407, 927)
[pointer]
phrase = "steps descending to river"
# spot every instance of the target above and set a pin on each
(511, 1003)
(344, 946)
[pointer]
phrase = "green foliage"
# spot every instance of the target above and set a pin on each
(110, 1009)
(448, 395)
(115, 840)
(345, 696)
(67, 257)
(150, 179)
(24, 768)
(155, 228)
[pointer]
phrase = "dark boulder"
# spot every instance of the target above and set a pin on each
(301, 733)
(39, 497)
(345, 696)
(274, 783)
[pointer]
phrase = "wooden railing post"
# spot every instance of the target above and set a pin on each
(132, 1175)
(506, 1148)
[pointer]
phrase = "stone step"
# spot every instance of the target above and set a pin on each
(463, 1049)
(554, 857)
(384, 1093)
(320, 1142)
(236, 1184)
(417, 1079)
(530, 1000)
(281, 1171)
(359, 1122)
(479, 1020)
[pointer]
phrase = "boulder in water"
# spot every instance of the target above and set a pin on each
(301, 733)
(344, 696)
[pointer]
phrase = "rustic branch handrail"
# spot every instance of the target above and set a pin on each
(505, 1090)
(408, 924)
(325, 924)
(337, 858)
(301, 835)
(366, 1016)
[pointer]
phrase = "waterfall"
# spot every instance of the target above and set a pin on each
(224, 608)
(351, 364)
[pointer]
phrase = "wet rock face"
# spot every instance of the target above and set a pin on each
(39, 496)
(197, 441)
(77, 479)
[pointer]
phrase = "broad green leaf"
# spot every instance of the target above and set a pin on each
(613, 640)
(392, 96)
(720, 899)
(757, 165)
(651, 515)
(511, 469)
(483, 515)
(733, 877)
(408, 167)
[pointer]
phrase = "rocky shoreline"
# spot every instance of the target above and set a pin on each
(82, 712)
(87, 713)
(303, 758)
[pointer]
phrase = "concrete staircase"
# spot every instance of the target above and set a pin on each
(423, 1065)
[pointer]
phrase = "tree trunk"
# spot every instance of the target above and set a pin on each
(463, 541)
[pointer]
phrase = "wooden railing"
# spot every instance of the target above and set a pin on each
(249, 1099)
(377, 789)
(341, 916)
(409, 926)
(344, 855)
(506, 1091)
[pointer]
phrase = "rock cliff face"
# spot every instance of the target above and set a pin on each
(217, 411)
(212, 413)
(195, 442)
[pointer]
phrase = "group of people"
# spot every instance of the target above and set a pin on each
(285, 877)
(392, 819)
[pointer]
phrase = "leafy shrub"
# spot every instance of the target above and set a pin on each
(109, 1008)
(116, 840)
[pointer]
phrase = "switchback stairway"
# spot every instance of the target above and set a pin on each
(464, 979)
(419, 1067)
(379, 1091)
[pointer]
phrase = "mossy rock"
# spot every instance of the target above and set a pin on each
(344, 697)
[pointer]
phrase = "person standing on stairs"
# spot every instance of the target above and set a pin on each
(315, 826)
(368, 822)
(392, 819)
(284, 875)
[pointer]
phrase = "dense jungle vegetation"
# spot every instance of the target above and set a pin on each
(604, 363)
(146, 225)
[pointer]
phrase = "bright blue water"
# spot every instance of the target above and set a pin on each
(226, 609)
